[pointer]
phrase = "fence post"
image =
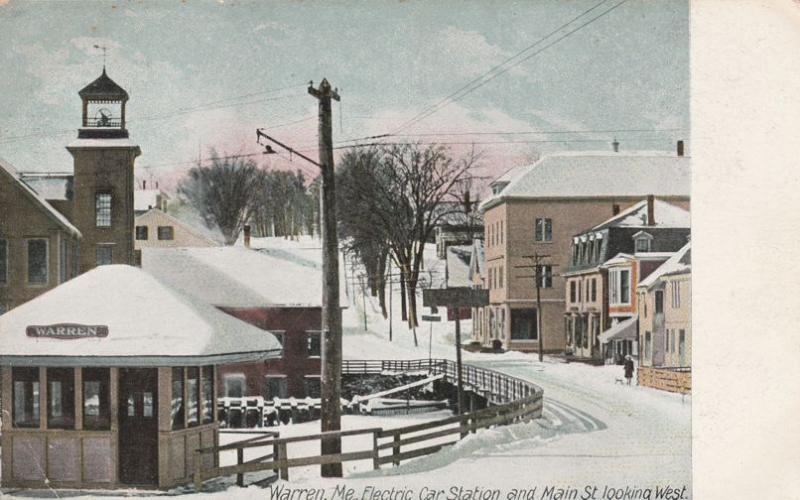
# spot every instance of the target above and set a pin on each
(396, 449)
(240, 461)
(284, 469)
(276, 456)
(376, 463)
(198, 472)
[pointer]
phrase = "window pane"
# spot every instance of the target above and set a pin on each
(176, 413)
(193, 388)
(37, 261)
(624, 288)
(3, 261)
(234, 386)
(539, 230)
(26, 396)
(96, 398)
(61, 398)
(62, 261)
(312, 387)
(141, 232)
(208, 394)
(147, 404)
(276, 387)
(103, 209)
(548, 230)
(523, 324)
(103, 254)
(659, 301)
(313, 339)
(165, 232)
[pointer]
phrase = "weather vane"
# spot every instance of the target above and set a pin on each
(104, 53)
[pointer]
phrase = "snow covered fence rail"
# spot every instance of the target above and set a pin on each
(496, 387)
(510, 400)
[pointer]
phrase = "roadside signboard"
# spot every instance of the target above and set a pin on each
(455, 297)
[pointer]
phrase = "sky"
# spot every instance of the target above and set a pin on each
(206, 74)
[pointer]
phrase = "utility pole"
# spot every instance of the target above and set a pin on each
(391, 285)
(537, 265)
(331, 338)
(331, 406)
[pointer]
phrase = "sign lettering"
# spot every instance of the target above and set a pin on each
(67, 331)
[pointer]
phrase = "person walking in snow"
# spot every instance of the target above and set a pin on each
(628, 368)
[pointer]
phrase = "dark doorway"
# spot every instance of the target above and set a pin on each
(138, 426)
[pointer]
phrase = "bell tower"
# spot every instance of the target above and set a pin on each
(103, 157)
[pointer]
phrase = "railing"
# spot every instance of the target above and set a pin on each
(672, 379)
(102, 122)
(522, 402)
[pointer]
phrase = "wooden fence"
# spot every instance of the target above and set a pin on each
(665, 378)
(510, 400)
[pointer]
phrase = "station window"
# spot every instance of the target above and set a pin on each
(177, 407)
(141, 232)
(96, 399)
(60, 398)
(207, 388)
(25, 382)
(193, 392)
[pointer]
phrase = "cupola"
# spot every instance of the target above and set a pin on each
(103, 109)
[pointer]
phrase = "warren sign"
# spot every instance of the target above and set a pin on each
(455, 297)
(67, 331)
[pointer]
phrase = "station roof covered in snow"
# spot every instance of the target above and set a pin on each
(239, 277)
(583, 174)
(119, 315)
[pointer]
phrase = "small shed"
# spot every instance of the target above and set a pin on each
(108, 381)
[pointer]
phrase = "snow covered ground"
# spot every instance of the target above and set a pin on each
(595, 432)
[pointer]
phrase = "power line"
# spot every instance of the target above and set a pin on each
(500, 69)
(486, 142)
(530, 132)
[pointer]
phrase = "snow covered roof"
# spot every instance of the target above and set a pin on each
(237, 276)
(38, 199)
(623, 330)
(102, 143)
(458, 265)
(665, 215)
(599, 174)
(680, 262)
(149, 324)
(51, 185)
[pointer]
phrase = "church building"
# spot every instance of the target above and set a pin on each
(54, 227)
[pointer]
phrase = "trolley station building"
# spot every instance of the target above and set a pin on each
(108, 381)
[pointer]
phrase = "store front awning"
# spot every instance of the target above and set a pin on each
(122, 316)
(624, 330)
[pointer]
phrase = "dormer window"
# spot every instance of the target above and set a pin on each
(642, 242)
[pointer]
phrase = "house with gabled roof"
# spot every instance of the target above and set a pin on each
(665, 324)
(39, 246)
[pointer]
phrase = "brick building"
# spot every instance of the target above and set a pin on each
(538, 209)
(278, 291)
(57, 225)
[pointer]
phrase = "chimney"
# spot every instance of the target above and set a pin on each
(680, 148)
(615, 145)
(247, 235)
(651, 218)
(614, 209)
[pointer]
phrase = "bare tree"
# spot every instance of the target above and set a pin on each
(222, 192)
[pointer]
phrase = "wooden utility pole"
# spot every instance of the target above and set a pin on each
(331, 376)
(459, 366)
(537, 266)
